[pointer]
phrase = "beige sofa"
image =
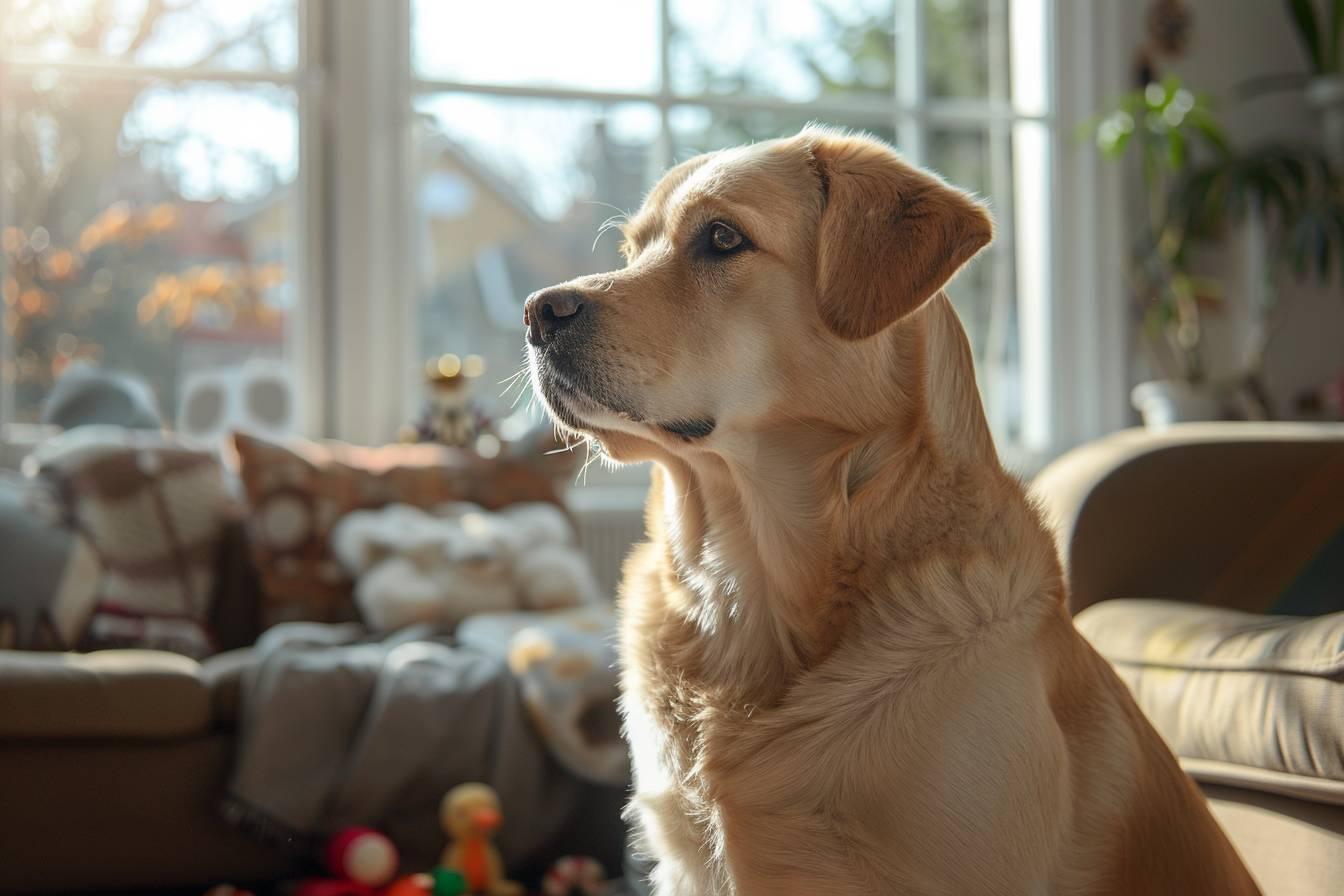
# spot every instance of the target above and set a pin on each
(1176, 543)
(113, 763)
(112, 766)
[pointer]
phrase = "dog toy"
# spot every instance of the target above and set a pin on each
(575, 876)
(363, 860)
(448, 882)
(362, 855)
(470, 814)
(411, 885)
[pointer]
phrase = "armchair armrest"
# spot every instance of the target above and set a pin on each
(1216, 513)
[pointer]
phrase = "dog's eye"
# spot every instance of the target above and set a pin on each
(723, 238)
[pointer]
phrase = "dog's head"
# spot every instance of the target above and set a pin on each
(756, 281)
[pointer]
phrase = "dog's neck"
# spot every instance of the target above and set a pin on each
(771, 538)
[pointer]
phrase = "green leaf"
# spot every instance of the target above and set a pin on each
(1170, 83)
(1176, 150)
(1208, 128)
(1117, 144)
(1304, 17)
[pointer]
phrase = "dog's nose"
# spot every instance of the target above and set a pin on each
(548, 311)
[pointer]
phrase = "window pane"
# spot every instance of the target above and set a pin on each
(587, 44)
(966, 48)
(148, 229)
(257, 35)
(512, 196)
(792, 49)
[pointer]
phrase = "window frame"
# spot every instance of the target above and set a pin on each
(353, 341)
(1073, 386)
(305, 340)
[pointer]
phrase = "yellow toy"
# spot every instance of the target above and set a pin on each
(470, 815)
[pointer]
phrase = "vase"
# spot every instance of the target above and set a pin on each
(1164, 402)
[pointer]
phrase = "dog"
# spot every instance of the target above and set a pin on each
(848, 666)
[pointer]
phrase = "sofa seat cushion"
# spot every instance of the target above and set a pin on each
(1243, 699)
(138, 694)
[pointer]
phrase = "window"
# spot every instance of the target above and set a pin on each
(151, 202)
(529, 138)
(208, 192)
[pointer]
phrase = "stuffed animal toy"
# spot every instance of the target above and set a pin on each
(470, 816)
(565, 665)
(439, 568)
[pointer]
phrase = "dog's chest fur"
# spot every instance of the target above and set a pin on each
(736, 797)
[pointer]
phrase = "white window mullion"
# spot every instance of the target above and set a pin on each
(666, 142)
(308, 337)
(7, 352)
(1001, 370)
(1033, 173)
(371, 359)
(911, 81)
(1087, 311)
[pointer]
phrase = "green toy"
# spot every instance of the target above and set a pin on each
(448, 882)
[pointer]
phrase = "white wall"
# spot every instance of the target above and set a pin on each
(1234, 40)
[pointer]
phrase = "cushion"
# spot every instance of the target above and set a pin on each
(565, 662)
(112, 693)
(298, 490)
(1255, 701)
(50, 580)
(153, 511)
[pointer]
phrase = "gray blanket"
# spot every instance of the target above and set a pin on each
(339, 727)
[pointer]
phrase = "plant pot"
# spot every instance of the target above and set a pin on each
(1325, 94)
(1164, 402)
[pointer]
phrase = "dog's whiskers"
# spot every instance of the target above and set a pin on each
(613, 221)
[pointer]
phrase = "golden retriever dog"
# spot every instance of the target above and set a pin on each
(847, 661)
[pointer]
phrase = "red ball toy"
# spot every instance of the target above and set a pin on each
(362, 855)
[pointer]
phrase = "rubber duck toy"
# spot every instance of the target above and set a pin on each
(470, 815)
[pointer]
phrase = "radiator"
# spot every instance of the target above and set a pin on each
(610, 521)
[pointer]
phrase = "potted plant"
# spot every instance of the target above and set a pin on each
(1291, 199)
(1197, 187)
(1167, 126)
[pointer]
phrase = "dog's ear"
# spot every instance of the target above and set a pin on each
(890, 234)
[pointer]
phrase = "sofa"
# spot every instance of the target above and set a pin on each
(1206, 562)
(115, 763)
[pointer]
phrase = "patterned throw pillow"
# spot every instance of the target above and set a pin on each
(152, 511)
(298, 490)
